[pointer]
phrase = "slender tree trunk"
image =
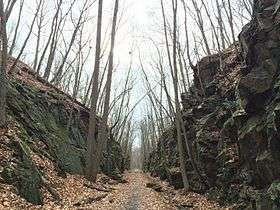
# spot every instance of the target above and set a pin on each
(38, 41)
(53, 26)
(221, 27)
(104, 135)
(177, 102)
(28, 36)
(53, 40)
(3, 77)
(16, 29)
(200, 24)
(111, 63)
(166, 36)
(212, 25)
(92, 167)
(9, 9)
(59, 73)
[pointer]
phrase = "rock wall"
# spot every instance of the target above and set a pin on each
(204, 119)
(258, 92)
(52, 125)
(234, 129)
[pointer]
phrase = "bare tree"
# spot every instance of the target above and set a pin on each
(200, 23)
(82, 59)
(216, 36)
(3, 77)
(40, 26)
(58, 24)
(177, 102)
(53, 40)
(16, 29)
(57, 77)
(229, 14)
(28, 35)
(193, 67)
(54, 23)
(9, 8)
(174, 71)
(103, 137)
(92, 140)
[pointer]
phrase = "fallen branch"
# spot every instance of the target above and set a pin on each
(90, 200)
(102, 189)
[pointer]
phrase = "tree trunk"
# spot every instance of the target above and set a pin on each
(3, 77)
(103, 131)
(28, 36)
(177, 102)
(16, 29)
(92, 168)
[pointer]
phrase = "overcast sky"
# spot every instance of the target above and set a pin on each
(136, 27)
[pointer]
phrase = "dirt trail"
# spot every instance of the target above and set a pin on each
(134, 195)
(77, 193)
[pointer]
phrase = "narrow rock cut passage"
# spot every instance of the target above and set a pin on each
(134, 195)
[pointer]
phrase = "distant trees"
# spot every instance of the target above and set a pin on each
(147, 135)
(3, 67)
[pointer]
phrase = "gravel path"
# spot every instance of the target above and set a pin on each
(134, 195)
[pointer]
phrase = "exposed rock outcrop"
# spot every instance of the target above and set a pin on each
(49, 124)
(258, 92)
(234, 128)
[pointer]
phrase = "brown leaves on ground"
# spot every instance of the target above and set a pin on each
(140, 191)
(186, 200)
(73, 190)
(135, 195)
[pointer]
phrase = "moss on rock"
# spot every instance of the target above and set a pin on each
(49, 119)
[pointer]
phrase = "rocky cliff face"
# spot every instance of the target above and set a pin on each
(234, 129)
(47, 124)
(258, 92)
